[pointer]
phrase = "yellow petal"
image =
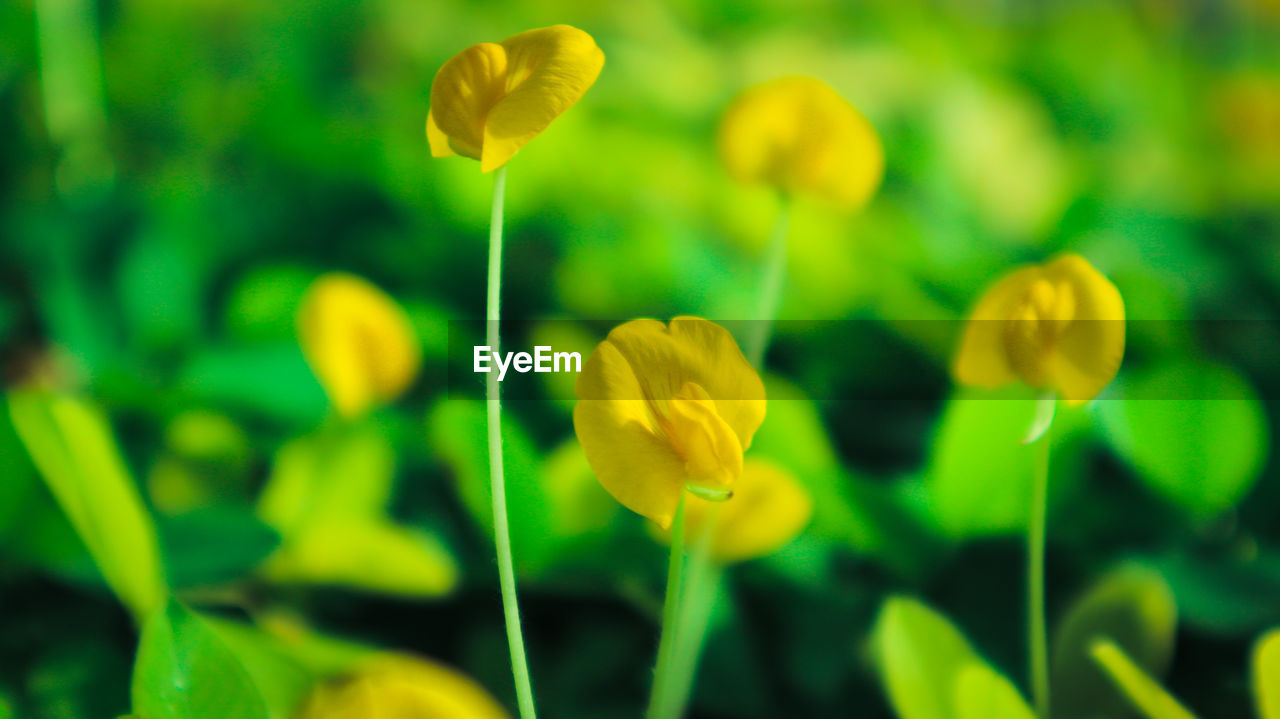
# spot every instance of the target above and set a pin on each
(548, 71)
(1090, 346)
(436, 139)
(358, 341)
(630, 456)
(464, 92)
(401, 687)
(768, 509)
(1266, 675)
(982, 360)
(657, 404)
(799, 135)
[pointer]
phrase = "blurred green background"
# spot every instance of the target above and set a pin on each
(173, 173)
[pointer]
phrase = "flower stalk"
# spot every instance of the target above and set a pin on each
(497, 480)
(663, 677)
(1038, 634)
(770, 297)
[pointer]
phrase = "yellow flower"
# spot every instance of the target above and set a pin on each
(799, 135)
(358, 341)
(664, 408)
(492, 98)
(400, 687)
(1058, 326)
(768, 509)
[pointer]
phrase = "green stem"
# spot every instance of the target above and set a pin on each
(1038, 629)
(701, 586)
(662, 676)
(501, 528)
(775, 270)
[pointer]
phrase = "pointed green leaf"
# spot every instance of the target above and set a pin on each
(1266, 675)
(71, 444)
(920, 656)
(185, 671)
(1142, 691)
(1134, 607)
(981, 693)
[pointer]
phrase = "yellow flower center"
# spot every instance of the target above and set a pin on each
(1031, 334)
(710, 449)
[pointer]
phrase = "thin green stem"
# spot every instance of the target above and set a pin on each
(775, 270)
(501, 527)
(662, 676)
(1036, 529)
(701, 585)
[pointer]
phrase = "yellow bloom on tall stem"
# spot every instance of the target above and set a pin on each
(359, 343)
(665, 408)
(489, 100)
(401, 687)
(800, 136)
(1059, 328)
(1056, 327)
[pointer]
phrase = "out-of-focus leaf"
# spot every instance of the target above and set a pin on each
(981, 693)
(579, 504)
(1143, 692)
(1195, 432)
(1266, 675)
(205, 463)
(456, 432)
(979, 477)
(369, 554)
(185, 671)
(1134, 607)
(282, 680)
(920, 656)
(262, 303)
(214, 544)
(328, 496)
(158, 289)
(71, 444)
(270, 379)
(341, 472)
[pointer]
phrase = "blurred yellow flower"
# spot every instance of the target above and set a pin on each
(768, 509)
(662, 408)
(358, 341)
(401, 687)
(799, 135)
(1058, 326)
(492, 98)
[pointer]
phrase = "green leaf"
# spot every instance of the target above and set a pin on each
(981, 693)
(1195, 432)
(456, 433)
(282, 680)
(72, 446)
(1132, 605)
(1142, 691)
(214, 544)
(979, 476)
(1266, 675)
(369, 554)
(341, 473)
(920, 656)
(185, 671)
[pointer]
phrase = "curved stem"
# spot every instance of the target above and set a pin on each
(1036, 530)
(701, 586)
(662, 677)
(775, 270)
(497, 481)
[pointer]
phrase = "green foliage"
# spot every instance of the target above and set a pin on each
(1134, 608)
(929, 670)
(185, 671)
(72, 446)
(1196, 433)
